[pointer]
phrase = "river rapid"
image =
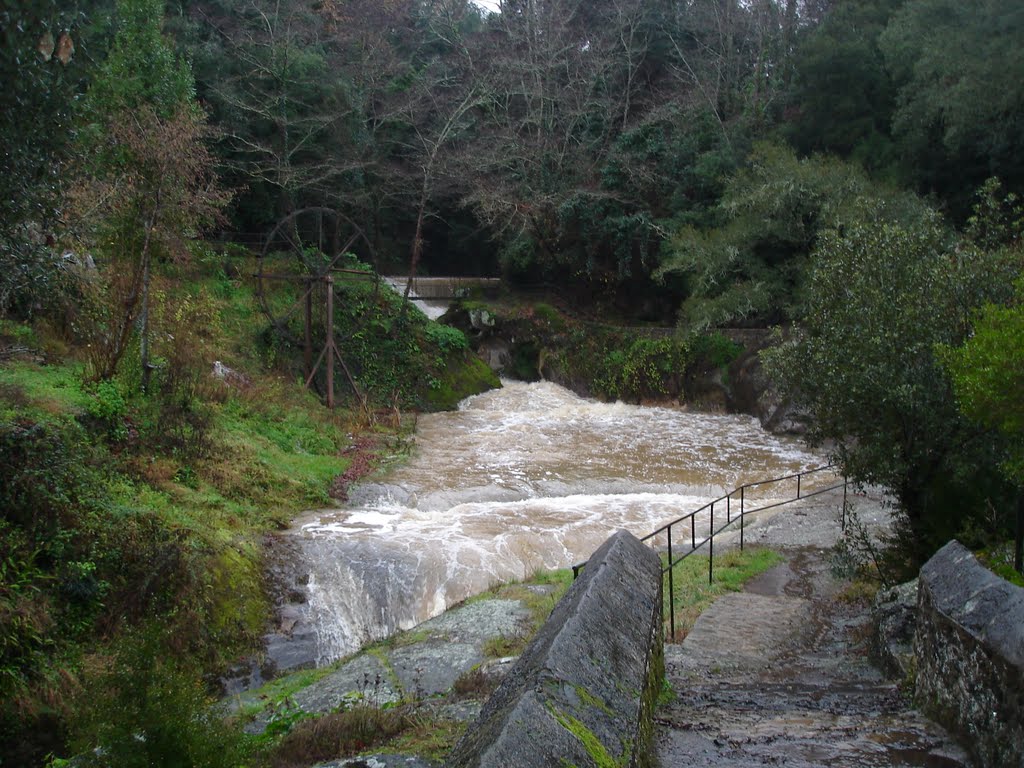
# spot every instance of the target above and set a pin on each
(526, 477)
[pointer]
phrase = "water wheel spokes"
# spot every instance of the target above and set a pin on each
(295, 277)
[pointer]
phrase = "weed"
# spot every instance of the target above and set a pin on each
(429, 738)
(860, 553)
(338, 735)
(505, 645)
(693, 594)
(475, 684)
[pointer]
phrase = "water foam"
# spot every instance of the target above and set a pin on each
(518, 479)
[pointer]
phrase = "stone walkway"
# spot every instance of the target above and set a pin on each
(778, 674)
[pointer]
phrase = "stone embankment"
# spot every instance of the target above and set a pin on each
(969, 646)
(583, 692)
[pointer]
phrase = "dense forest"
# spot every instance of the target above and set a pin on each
(849, 172)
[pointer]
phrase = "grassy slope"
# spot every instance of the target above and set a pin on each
(272, 451)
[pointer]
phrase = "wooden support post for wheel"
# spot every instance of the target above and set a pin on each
(332, 351)
(308, 341)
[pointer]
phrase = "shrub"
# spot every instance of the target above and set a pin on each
(143, 708)
(339, 734)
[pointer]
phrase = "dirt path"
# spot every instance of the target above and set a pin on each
(778, 674)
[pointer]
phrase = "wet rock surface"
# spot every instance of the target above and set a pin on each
(779, 675)
(894, 617)
(584, 685)
(424, 663)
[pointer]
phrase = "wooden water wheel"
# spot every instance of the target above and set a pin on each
(296, 269)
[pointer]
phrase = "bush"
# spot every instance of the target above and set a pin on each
(339, 734)
(143, 708)
(642, 368)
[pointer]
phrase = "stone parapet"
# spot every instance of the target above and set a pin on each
(969, 646)
(583, 692)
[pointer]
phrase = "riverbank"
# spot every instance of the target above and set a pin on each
(136, 521)
(439, 673)
(796, 620)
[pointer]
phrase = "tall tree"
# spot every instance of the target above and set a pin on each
(145, 180)
(863, 362)
(842, 96)
(40, 73)
(271, 78)
(959, 67)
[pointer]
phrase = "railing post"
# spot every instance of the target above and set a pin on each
(1018, 544)
(711, 545)
(332, 351)
(742, 519)
(693, 531)
(798, 484)
(846, 482)
(728, 508)
(671, 590)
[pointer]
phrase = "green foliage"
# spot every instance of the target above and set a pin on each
(717, 349)
(863, 363)
(148, 709)
(273, 82)
(960, 73)
(753, 267)
(998, 217)
(40, 76)
(643, 368)
(843, 94)
(141, 68)
(108, 408)
(988, 373)
(446, 338)
(25, 619)
(675, 161)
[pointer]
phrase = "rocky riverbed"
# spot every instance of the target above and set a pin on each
(776, 674)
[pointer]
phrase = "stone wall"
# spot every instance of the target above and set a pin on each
(970, 655)
(583, 692)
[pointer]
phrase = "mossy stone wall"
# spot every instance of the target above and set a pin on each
(583, 692)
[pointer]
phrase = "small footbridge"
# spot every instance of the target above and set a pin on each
(443, 288)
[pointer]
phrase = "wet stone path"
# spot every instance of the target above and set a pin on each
(779, 675)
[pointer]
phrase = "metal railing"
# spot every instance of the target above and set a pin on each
(740, 497)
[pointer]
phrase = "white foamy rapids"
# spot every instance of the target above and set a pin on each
(519, 479)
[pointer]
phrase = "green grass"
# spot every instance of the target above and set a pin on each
(999, 560)
(429, 738)
(279, 690)
(693, 594)
(47, 391)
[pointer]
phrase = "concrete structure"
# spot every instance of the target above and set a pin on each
(583, 692)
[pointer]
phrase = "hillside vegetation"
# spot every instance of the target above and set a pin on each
(845, 172)
(134, 522)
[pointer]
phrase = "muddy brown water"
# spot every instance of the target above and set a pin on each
(524, 478)
(779, 675)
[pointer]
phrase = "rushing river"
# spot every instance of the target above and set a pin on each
(526, 477)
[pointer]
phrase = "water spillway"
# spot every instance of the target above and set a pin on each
(527, 477)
